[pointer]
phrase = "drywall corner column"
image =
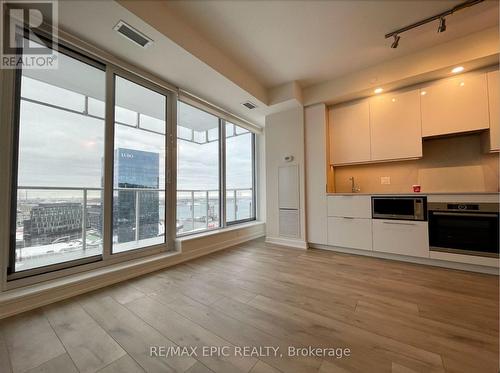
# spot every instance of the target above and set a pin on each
(316, 169)
(284, 137)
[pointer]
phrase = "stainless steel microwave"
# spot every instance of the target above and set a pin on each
(399, 207)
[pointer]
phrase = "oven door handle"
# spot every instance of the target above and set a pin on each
(397, 223)
(464, 214)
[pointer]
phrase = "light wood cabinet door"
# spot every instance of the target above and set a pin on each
(401, 237)
(494, 105)
(454, 105)
(395, 125)
(352, 233)
(350, 133)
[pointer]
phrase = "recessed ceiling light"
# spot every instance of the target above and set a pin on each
(393, 100)
(457, 69)
(423, 93)
(378, 90)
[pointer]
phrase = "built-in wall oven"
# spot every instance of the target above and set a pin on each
(464, 228)
(400, 207)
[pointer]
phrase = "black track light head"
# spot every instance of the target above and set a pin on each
(395, 43)
(442, 24)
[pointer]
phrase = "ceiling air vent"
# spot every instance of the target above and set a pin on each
(249, 105)
(132, 34)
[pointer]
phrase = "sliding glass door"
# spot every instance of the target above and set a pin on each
(60, 133)
(139, 166)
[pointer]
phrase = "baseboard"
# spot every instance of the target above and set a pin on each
(24, 299)
(411, 259)
(288, 242)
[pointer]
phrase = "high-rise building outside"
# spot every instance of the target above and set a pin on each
(52, 221)
(136, 169)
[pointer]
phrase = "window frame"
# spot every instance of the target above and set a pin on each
(134, 79)
(11, 83)
(220, 169)
(254, 190)
(223, 223)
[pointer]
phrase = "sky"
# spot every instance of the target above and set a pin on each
(63, 149)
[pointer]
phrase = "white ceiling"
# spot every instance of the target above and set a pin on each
(213, 46)
(312, 41)
(93, 20)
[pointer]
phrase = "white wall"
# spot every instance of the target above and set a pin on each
(315, 123)
(284, 136)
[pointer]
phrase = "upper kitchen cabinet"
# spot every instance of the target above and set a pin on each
(395, 125)
(350, 133)
(493, 140)
(454, 105)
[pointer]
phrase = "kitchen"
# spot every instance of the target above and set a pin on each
(411, 174)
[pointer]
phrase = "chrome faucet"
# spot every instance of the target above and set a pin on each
(354, 188)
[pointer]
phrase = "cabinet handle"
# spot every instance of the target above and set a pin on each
(471, 214)
(347, 217)
(394, 223)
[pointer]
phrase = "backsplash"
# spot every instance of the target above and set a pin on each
(452, 164)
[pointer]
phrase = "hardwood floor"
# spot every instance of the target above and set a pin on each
(393, 316)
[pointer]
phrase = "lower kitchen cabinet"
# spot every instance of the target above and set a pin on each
(353, 233)
(402, 237)
(351, 206)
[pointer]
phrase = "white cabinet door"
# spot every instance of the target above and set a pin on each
(494, 104)
(458, 104)
(316, 169)
(352, 233)
(350, 133)
(401, 237)
(350, 206)
(395, 125)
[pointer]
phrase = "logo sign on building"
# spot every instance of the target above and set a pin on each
(28, 34)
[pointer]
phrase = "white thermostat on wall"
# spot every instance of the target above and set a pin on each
(288, 158)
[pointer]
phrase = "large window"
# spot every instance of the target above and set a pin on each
(92, 167)
(240, 201)
(203, 149)
(197, 170)
(58, 215)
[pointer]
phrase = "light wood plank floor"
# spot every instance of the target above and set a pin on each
(393, 316)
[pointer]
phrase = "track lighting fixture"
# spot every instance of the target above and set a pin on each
(442, 24)
(441, 17)
(395, 43)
